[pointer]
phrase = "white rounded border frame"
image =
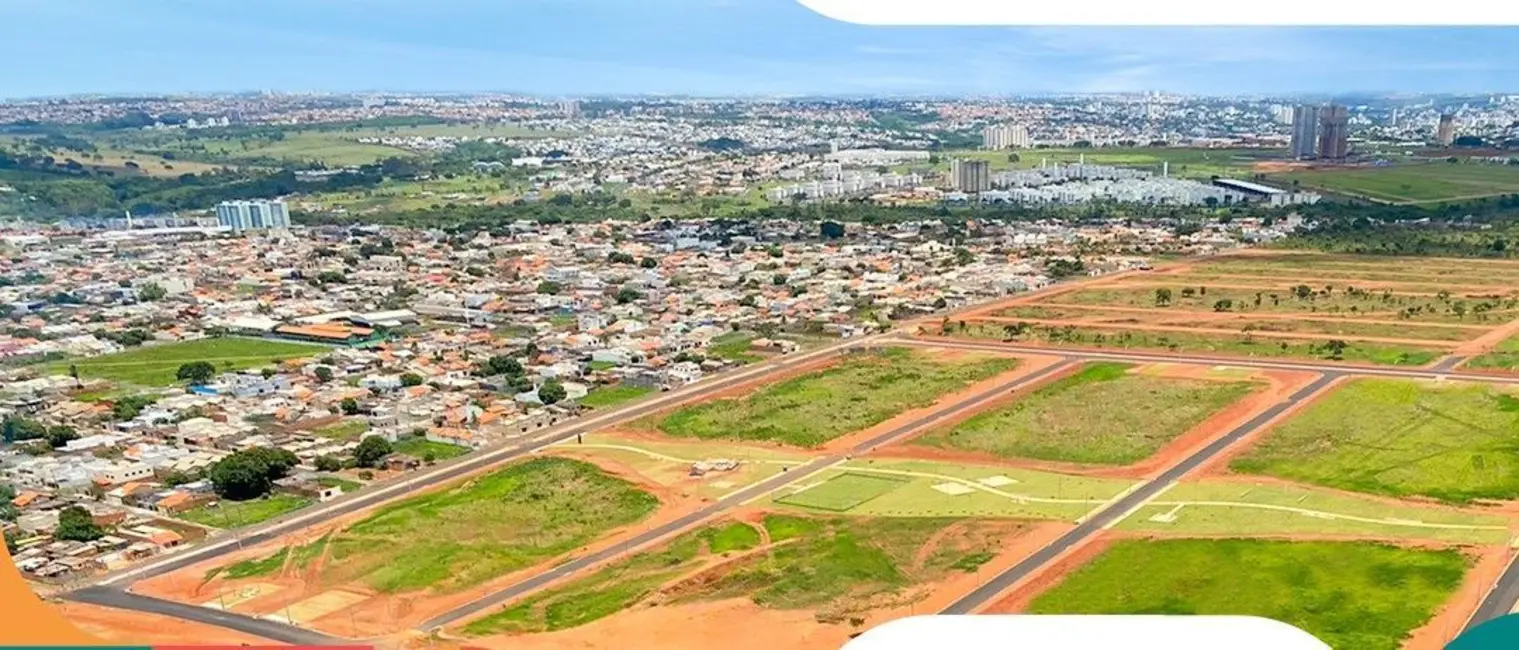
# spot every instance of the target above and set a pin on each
(1168, 12)
(1023, 632)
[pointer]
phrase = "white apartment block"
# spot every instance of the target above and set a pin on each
(252, 215)
(1005, 136)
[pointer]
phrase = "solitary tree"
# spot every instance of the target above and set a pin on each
(550, 392)
(151, 291)
(371, 451)
(323, 374)
(196, 372)
(1336, 348)
(349, 405)
(411, 379)
(1162, 297)
(75, 524)
(60, 435)
(250, 473)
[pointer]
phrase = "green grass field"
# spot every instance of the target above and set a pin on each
(236, 514)
(859, 392)
(459, 537)
(1348, 594)
(155, 365)
(734, 346)
(983, 491)
(1454, 442)
(1074, 418)
(1216, 508)
(347, 429)
(609, 396)
(420, 447)
(1242, 345)
(832, 566)
(843, 492)
(1414, 183)
(1503, 357)
(1185, 162)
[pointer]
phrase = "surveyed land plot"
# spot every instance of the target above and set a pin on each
(860, 391)
(902, 487)
(834, 567)
(481, 529)
(1229, 507)
(1257, 325)
(1347, 594)
(1241, 345)
(1102, 414)
(1450, 441)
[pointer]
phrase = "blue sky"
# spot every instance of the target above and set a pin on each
(701, 47)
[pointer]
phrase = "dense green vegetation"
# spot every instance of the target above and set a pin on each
(1072, 419)
(1347, 594)
(860, 391)
(1454, 442)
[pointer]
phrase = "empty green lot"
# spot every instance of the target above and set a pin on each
(1103, 414)
(483, 528)
(860, 391)
(834, 567)
(1348, 594)
(1416, 183)
(1220, 507)
(1505, 356)
(1455, 442)
(156, 365)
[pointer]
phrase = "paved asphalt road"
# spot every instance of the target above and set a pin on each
(1107, 516)
(738, 498)
(1449, 363)
(1502, 599)
(111, 597)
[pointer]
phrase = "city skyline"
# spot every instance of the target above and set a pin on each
(726, 48)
